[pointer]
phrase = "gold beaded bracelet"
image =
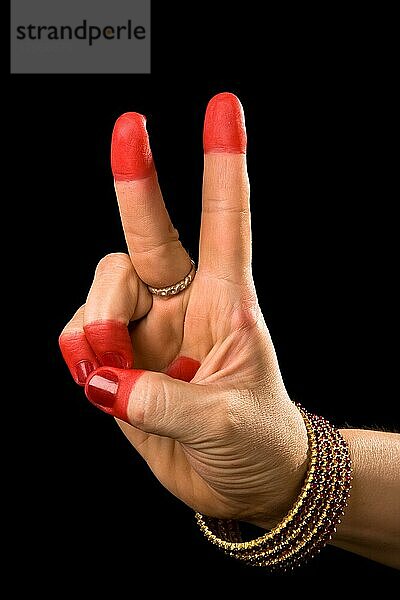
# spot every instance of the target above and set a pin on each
(313, 519)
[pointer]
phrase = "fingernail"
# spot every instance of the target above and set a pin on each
(102, 390)
(224, 126)
(110, 390)
(131, 156)
(83, 370)
(113, 359)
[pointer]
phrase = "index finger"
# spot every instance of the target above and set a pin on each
(153, 242)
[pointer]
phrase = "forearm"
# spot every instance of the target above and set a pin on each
(371, 524)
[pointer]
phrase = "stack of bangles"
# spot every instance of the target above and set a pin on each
(313, 519)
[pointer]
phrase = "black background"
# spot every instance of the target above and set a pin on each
(318, 95)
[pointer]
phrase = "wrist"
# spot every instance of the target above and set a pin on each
(311, 521)
(369, 526)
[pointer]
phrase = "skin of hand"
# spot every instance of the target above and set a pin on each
(230, 443)
(193, 379)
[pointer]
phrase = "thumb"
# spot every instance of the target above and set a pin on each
(148, 400)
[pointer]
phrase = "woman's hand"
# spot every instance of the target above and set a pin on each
(230, 443)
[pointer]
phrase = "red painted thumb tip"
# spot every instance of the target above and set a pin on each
(109, 389)
(131, 156)
(102, 388)
(224, 125)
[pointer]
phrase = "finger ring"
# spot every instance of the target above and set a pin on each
(176, 288)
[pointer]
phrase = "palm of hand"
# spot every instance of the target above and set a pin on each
(220, 325)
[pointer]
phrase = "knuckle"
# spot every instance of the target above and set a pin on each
(170, 233)
(112, 263)
(148, 408)
(246, 314)
(74, 325)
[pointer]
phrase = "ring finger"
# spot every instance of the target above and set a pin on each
(98, 333)
(116, 297)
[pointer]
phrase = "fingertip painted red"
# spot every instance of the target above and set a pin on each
(224, 125)
(111, 342)
(131, 156)
(78, 355)
(183, 368)
(109, 389)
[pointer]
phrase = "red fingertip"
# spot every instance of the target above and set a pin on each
(224, 126)
(131, 156)
(111, 342)
(183, 368)
(78, 355)
(109, 390)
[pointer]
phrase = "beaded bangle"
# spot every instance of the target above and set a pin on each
(311, 522)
